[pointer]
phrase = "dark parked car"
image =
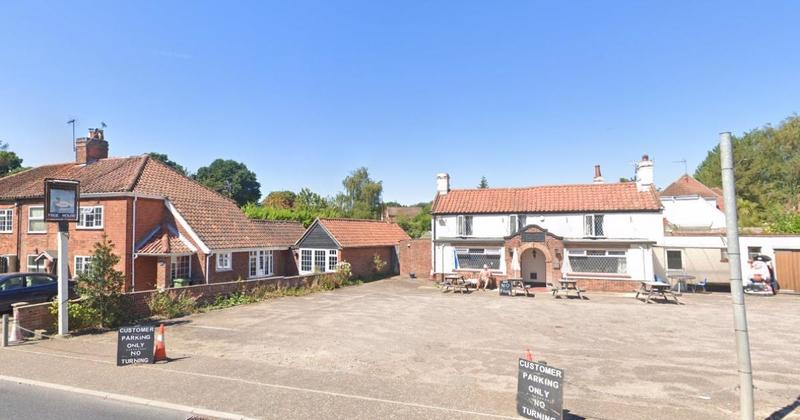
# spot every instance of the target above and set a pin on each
(28, 287)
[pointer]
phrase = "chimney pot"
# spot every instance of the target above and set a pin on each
(644, 173)
(92, 148)
(442, 183)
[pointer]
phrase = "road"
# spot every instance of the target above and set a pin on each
(21, 401)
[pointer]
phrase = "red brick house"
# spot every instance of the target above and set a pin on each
(357, 241)
(163, 225)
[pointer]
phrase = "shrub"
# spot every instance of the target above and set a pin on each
(167, 305)
(101, 287)
(80, 316)
(378, 264)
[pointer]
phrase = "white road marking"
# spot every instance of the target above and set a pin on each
(279, 386)
(207, 327)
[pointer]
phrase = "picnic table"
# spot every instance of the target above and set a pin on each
(565, 286)
(681, 279)
(656, 288)
(519, 284)
(454, 281)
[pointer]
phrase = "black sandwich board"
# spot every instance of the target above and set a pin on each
(540, 391)
(135, 344)
(505, 288)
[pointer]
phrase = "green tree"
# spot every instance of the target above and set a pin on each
(311, 201)
(418, 225)
(484, 183)
(767, 165)
(362, 195)
(102, 286)
(9, 161)
(280, 200)
(171, 163)
(231, 179)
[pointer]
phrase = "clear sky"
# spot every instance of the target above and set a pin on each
(525, 92)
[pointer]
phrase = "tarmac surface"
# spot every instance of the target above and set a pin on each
(400, 348)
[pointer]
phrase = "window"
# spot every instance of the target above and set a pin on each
(475, 258)
(333, 260)
(516, 222)
(13, 283)
(36, 222)
(594, 225)
(38, 280)
(181, 267)
(319, 260)
(598, 261)
(674, 259)
(261, 263)
(3, 264)
(224, 261)
(91, 218)
(34, 266)
(464, 225)
(6, 220)
(753, 251)
(82, 264)
(305, 260)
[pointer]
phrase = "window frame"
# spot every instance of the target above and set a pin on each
(39, 268)
(310, 254)
(228, 266)
(621, 255)
(666, 259)
(85, 261)
(590, 229)
(7, 219)
(485, 251)
(174, 266)
(465, 225)
(333, 256)
(308, 260)
(36, 220)
(260, 263)
(82, 220)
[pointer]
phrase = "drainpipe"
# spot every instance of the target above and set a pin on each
(433, 244)
(133, 246)
(19, 236)
(208, 258)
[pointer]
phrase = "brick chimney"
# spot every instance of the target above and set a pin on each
(598, 177)
(442, 183)
(91, 149)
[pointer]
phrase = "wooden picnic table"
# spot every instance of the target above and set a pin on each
(656, 288)
(454, 281)
(565, 286)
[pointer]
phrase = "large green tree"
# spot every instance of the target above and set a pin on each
(9, 161)
(280, 200)
(362, 195)
(161, 157)
(767, 167)
(231, 179)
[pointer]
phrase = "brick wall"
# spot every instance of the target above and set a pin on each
(37, 316)
(415, 257)
(361, 259)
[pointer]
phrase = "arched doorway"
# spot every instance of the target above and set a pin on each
(533, 267)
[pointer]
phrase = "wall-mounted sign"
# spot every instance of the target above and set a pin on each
(135, 344)
(540, 391)
(533, 236)
(61, 200)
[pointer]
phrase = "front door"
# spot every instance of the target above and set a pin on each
(533, 268)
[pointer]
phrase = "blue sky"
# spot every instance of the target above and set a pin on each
(525, 92)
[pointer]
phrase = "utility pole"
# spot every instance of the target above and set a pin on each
(746, 406)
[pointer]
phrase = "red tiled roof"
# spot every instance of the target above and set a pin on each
(687, 185)
(217, 220)
(283, 233)
(351, 233)
(623, 196)
(164, 241)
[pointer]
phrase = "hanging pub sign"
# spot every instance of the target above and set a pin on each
(61, 200)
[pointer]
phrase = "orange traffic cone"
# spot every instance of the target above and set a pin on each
(161, 349)
(528, 355)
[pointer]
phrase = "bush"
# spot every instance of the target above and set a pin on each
(378, 264)
(80, 315)
(167, 305)
(101, 287)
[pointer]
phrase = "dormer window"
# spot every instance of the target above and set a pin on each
(464, 225)
(594, 226)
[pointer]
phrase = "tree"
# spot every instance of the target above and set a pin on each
(231, 179)
(171, 163)
(418, 225)
(310, 201)
(101, 286)
(362, 196)
(767, 164)
(280, 200)
(9, 161)
(484, 183)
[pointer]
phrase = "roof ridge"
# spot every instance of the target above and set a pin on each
(139, 172)
(347, 219)
(587, 184)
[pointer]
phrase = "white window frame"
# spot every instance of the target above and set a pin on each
(666, 259)
(6, 220)
(36, 220)
(326, 256)
(597, 253)
(82, 218)
(306, 253)
(590, 229)
(333, 257)
(224, 262)
(28, 265)
(85, 260)
(462, 224)
(173, 267)
(260, 263)
(516, 222)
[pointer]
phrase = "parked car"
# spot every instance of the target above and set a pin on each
(29, 287)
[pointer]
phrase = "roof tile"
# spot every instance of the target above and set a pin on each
(351, 233)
